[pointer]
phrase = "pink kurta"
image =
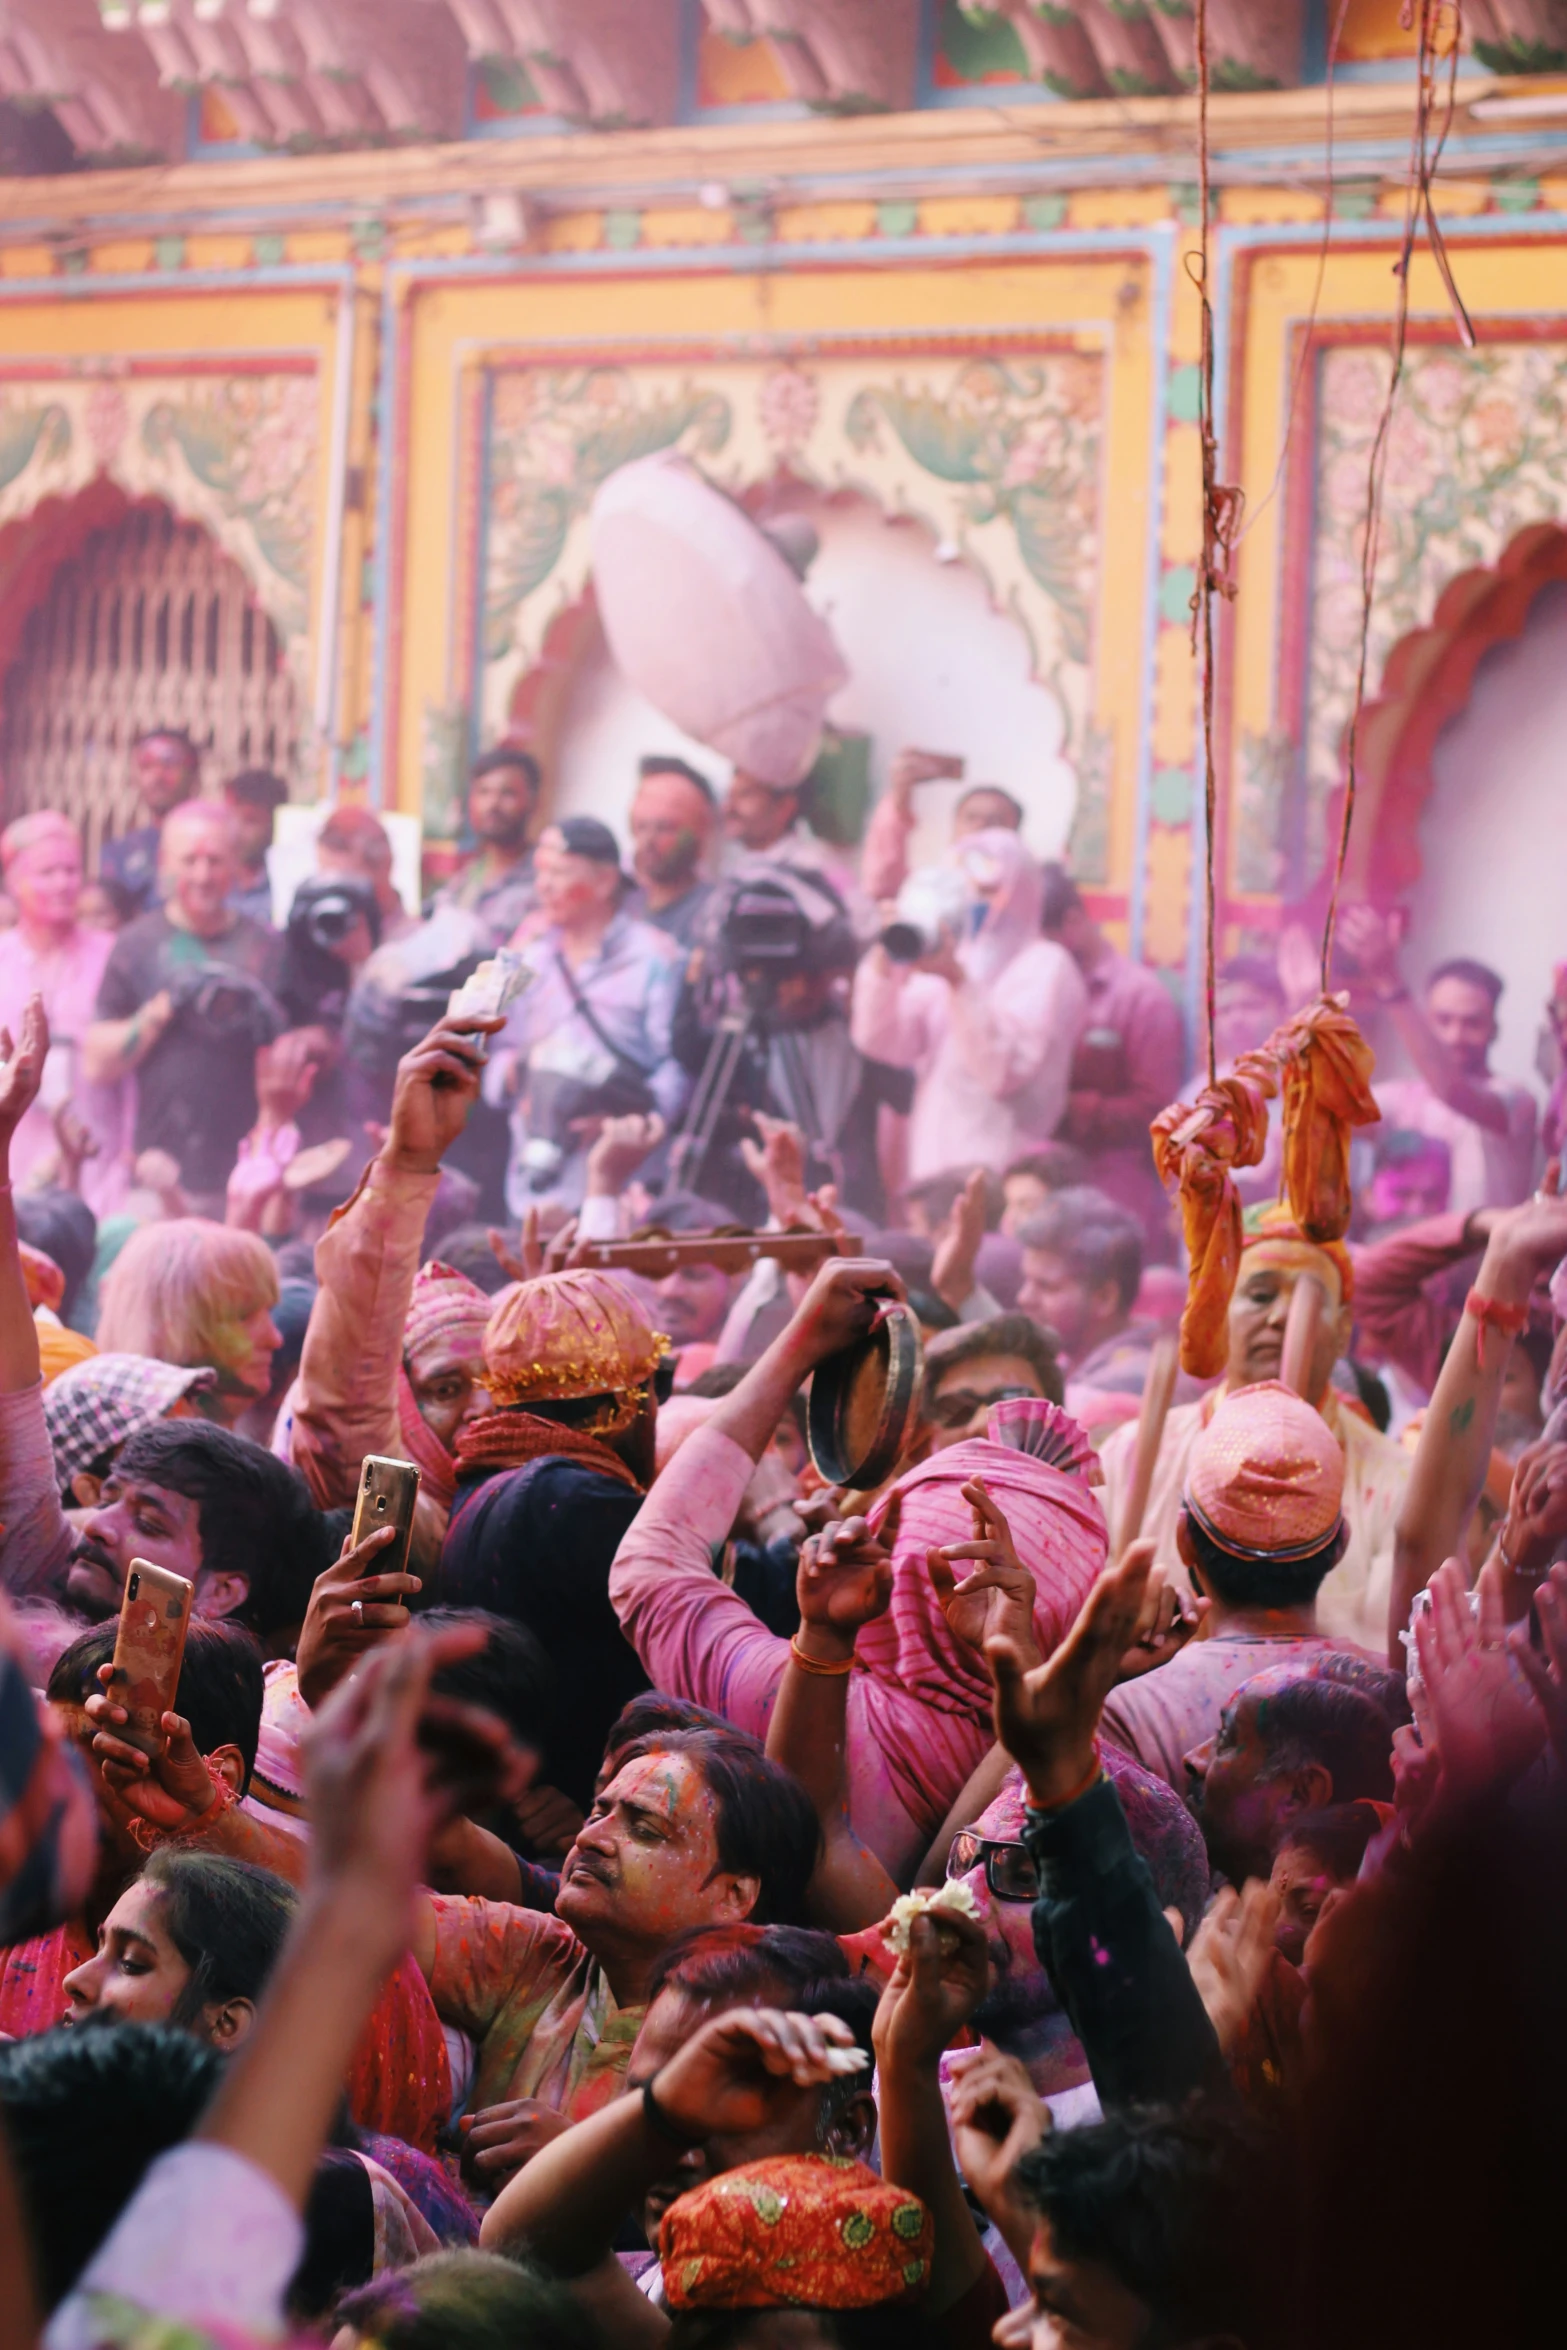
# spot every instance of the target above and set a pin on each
(67, 978)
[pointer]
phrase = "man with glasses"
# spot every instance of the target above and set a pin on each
(979, 1364)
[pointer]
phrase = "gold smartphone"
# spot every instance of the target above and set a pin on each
(387, 1493)
(149, 1649)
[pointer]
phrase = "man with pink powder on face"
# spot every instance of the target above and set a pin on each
(695, 1829)
(49, 953)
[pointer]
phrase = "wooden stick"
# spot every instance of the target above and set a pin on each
(1157, 1391)
(732, 1252)
(1307, 1307)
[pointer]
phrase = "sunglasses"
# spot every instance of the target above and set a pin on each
(957, 1409)
(1010, 1874)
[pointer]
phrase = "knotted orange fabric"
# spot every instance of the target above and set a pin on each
(1326, 1066)
(1197, 1147)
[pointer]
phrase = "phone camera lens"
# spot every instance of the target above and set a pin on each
(133, 1587)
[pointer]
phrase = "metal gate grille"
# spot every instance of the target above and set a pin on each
(150, 624)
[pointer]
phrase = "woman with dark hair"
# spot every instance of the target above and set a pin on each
(190, 1942)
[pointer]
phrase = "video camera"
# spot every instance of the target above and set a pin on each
(771, 923)
(225, 1006)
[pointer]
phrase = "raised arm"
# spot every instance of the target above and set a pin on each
(35, 1540)
(844, 1581)
(937, 1984)
(1454, 1450)
(695, 1638)
(366, 1260)
(1368, 939)
(1098, 1927)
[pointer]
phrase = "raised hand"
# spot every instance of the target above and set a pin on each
(1171, 1617)
(286, 1072)
(386, 1765)
(1547, 1673)
(957, 1245)
(437, 1085)
(997, 2117)
(843, 1581)
(777, 1163)
(618, 1151)
(995, 1602)
(1478, 1707)
(1047, 1716)
(935, 1987)
(173, 1790)
(77, 1145)
(1230, 1955)
(547, 1818)
(841, 1305)
(333, 1637)
(730, 2077)
(21, 1070)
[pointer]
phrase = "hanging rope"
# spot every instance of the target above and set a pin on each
(1425, 154)
(1221, 514)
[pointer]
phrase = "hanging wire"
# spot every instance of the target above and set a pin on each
(1425, 154)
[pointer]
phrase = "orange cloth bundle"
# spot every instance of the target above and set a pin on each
(1326, 1066)
(1197, 1147)
(803, 2231)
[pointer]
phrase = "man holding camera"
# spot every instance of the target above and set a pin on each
(188, 996)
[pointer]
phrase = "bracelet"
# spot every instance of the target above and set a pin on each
(149, 1839)
(657, 2119)
(810, 1664)
(1509, 1320)
(1084, 1785)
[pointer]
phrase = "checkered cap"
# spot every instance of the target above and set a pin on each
(94, 1406)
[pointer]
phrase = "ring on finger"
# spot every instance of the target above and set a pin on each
(357, 1611)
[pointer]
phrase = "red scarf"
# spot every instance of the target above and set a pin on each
(423, 1447)
(509, 1440)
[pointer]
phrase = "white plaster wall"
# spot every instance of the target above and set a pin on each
(1493, 835)
(930, 664)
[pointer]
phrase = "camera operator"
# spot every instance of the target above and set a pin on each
(188, 997)
(773, 971)
(334, 926)
(590, 1039)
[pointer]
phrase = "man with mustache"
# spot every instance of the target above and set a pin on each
(696, 1829)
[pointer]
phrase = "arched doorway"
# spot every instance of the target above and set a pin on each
(145, 623)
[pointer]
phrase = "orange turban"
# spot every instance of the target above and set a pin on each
(59, 1348)
(568, 1335)
(802, 2231)
(1267, 1474)
(1275, 1226)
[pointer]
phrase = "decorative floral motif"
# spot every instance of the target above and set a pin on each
(1022, 444)
(250, 442)
(999, 461)
(237, 454)
(1474, 456)
(788, 405)
(555, 434)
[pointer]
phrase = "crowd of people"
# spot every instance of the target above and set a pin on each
(1036, 1896)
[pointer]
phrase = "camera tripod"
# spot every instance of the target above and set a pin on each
(738, 1030)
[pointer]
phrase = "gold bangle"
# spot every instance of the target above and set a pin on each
(809, 1664)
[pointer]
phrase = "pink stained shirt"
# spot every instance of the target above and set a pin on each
(1127, 1068)
(992, 1058)
(1163, 1715)
(699, 1640)
(1489, 1170)
(67, 978)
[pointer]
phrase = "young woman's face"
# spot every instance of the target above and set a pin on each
(136, 1974)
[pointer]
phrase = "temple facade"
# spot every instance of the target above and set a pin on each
(321, 324)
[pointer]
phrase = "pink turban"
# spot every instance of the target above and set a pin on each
(447, 1312)
(1267, 1473)
(445, 1308)
(1059, 1530)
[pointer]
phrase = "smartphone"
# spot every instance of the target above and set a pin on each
(149, 1649)
(387, 1493)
